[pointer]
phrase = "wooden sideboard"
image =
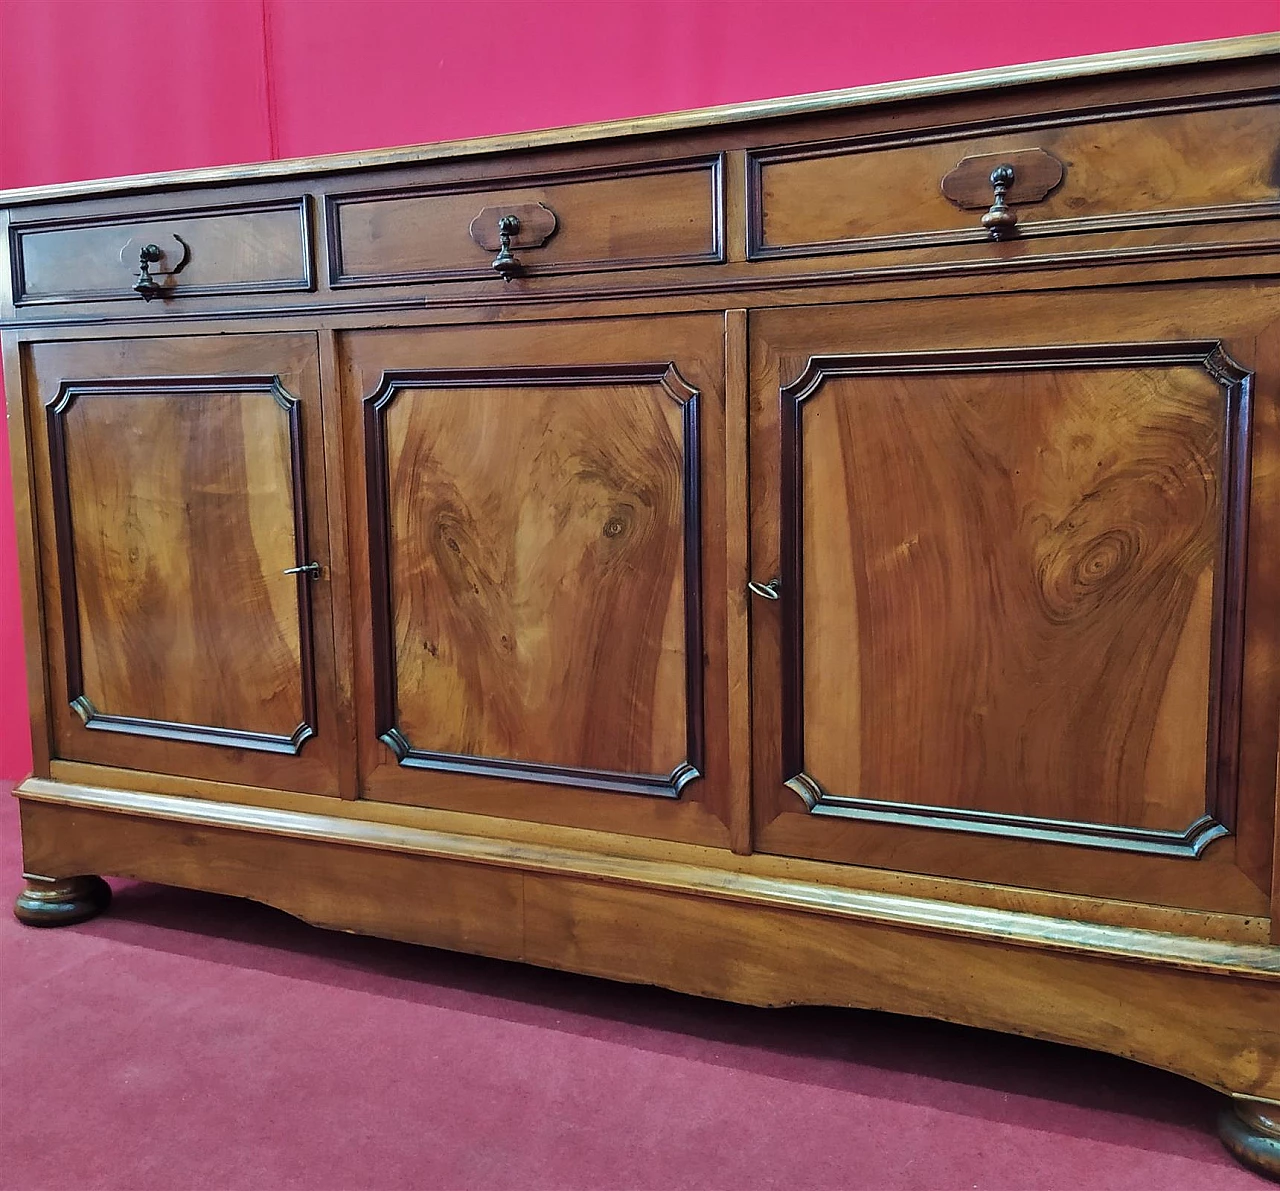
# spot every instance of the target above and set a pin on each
(825, 550)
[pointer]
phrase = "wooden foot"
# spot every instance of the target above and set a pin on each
(49, 902)
(1250, 1129)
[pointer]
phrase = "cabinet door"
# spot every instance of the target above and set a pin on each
(180, 486)
(540, 506)
(1010, 643)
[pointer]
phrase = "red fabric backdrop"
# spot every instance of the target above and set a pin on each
(93, 88)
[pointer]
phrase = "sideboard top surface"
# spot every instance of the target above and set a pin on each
(1056, 70)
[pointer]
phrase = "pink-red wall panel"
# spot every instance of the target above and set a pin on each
(93, 88)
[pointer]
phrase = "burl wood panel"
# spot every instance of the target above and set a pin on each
(626, 218)
(182, 520)
(660, 380)
(1009, 589)
(236, 249)
(1172, 327)
(537, 569)
(1119, 173)
(176, 479)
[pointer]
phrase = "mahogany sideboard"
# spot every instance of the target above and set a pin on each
(824, 550)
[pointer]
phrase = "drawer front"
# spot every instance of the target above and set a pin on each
(224, 250)
(1126, 172)
(619, 218)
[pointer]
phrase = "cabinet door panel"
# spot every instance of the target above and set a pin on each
(535, 524)
(1010, 644)
(536, 543)
(177, 505)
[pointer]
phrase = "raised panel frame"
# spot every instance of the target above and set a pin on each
(1227, 649)
(305, 282)
(1029, 228)
(489, 191)
(665, 377)
(97, 719)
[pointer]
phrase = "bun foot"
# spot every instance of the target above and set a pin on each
(49, 902)
(1250, 1129)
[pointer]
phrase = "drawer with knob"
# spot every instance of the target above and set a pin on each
(652, 215)
(168, 255)
(1110, 181)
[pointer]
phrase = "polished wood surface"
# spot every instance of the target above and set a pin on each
(537, 529)
(1208, 1025)
(672, 217)
(106, 788)
(165, 585)
(763, 582)
(1142, 171)
(538, 535)
(1035, 174)
(986, 537)
(1012, 608)
(175, 493)
(236, 250)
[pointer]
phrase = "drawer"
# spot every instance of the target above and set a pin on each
(230, 249)
(1154, 174)
(628, 217)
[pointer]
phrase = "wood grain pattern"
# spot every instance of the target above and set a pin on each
(246, 249)
(27, 538)
(1137, 171)
(1234, 872)
(1008, 598)
(75, 783)
(969, 184)
(714, 875)
(630, 216)
(1216, 1026)
(1220, 1032)
(175, 492)
(541, 536)
(1028, 590)
(738, 659)
(609, 350)
(169, 570)
(537, 225)
(339, 565)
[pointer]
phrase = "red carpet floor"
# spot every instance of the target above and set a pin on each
(188, 1041)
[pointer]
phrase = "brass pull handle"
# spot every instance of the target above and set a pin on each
(504, 264)
(1001, 218)
(766, 591)
(145, 284)
(311, 569)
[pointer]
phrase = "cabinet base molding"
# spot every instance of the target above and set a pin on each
(1203, 1009)
(62, 901)
(1250, 1129)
